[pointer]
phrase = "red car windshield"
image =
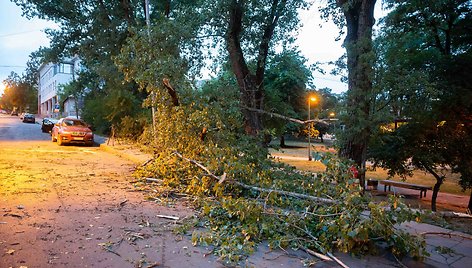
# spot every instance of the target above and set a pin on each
(73, 123)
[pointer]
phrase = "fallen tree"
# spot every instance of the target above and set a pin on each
(243, 203)
(243, 198)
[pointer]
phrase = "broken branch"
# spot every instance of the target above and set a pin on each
(223, 177)
(171, 91)
(291, 194)
(298, 121)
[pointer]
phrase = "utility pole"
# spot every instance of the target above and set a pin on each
(148, 24)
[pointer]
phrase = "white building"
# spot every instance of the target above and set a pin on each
(51, 76)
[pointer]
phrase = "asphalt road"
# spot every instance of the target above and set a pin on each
(13, 129)
(74, 206)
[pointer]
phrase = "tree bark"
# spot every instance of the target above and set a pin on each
(246, 81)
(469, 207)
(282, 141)
(437, 185)
(434, 197)
(171, 91)
(359, 16)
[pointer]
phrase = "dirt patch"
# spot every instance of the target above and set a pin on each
(73, 206)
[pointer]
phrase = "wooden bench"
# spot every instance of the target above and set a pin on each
(421, 188)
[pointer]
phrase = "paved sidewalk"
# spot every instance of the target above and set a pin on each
(446, 248)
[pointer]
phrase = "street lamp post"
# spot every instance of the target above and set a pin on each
(311, 99)
(332, 116)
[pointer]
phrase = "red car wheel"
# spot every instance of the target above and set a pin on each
(59, 140)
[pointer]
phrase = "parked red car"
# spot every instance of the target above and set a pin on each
(71, 130)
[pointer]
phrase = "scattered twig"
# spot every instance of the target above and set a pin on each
(111, 250)
(168, 217)
(399, 262)
(338, 261)
(137, 235)
(147, 162)
(315, 242)
(123, 202)
(451, 214)
(13, 215)
(208, 253)
(448, 234)
(316, 254)
(153, 180)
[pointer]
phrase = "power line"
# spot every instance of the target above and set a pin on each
(329, 79)
(12, 66)
(19, 33)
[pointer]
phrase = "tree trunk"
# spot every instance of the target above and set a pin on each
(469, 207)
(359, 16)
(282, 141)
(439, 182)
(251, 94)
(251, 85)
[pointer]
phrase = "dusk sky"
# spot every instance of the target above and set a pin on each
(20, 36)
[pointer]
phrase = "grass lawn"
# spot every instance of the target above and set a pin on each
(298, 150)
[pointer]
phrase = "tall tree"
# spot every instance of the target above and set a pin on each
(250, 30)
(95, 30)
(425, 48)
(358, 17)
(19, 94)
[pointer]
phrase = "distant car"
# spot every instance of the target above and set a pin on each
(47, 124)
(29, 118)
(71, 130)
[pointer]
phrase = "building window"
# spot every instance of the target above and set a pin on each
(64, 68)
